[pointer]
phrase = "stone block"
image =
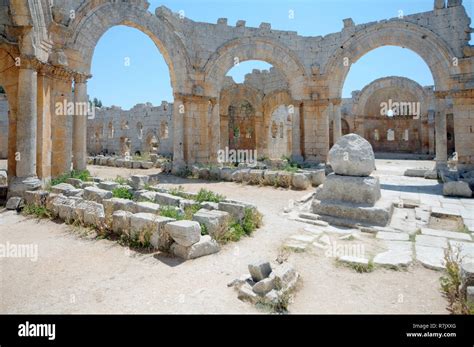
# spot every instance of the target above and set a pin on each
(121, 222)
(61, 188)
(166, 199)
(138, 181)
(352, 155)
(300, 181)
(358, 190)
(96, 194)
(185, 233)
(205, 246)
(259, 270)
(216, 222)
(457, 188)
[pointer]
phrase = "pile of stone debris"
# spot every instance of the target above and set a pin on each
(267, 286)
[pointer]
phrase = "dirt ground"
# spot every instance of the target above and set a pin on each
(79, 275)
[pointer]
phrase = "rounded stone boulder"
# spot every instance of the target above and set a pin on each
(352, 155)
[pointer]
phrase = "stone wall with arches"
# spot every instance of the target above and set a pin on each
(50, 46)
(149, 130)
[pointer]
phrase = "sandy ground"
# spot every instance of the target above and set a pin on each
(78, 275)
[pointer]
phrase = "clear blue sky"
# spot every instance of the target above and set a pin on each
(146, 78)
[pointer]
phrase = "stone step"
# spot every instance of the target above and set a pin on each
(313, 222)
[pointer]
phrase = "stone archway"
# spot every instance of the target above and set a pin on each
(254, 48)
(93, 20)
(152, 142)
(434, 51)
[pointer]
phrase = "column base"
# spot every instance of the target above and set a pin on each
(178, 166)
(19, 185)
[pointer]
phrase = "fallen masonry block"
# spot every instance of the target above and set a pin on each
(167, 199)
(14, 203)
(36, 197)
(96, 194)
(235, 208)
(76, 182)
(146, 206)
(116, 204)
(300, 181)
(259, 270)
(108, 185)
(205, 246)
(94, 214)
(216, 222)
(121, 222)
(144, 195)
(138, 181)
(61, 188)
(185, 233)
(150, 227)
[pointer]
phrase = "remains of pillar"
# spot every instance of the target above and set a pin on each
(296, 134)
(350, 195)
(178, 134)
(79, 142)
(26, 178)
(441, 136)
(336, 116)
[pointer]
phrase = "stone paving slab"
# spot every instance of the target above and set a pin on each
(439, 212)
(446, 234)
(467, 248)
(431, 241)
(430, 257)
(394, 258)
(384, 235)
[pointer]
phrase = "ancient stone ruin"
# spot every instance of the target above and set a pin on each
(350, 192)
(55, 53)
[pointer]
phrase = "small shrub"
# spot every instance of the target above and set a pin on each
(235, 233)
(361, 268)
(251, 221)
(451, 281)
(122, 192)
(189, 211)
(121, 180)
(83, 175)
(179, 191)
(204, 230)
(171, 212)
(207, 195)
(37, 211)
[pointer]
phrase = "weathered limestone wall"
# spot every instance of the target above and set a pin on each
(144, 128)
(404, 133)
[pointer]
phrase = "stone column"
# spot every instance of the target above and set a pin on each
(336, 116)
(441, 135)
(79, 141)
(215, 131)
(26, 178)
(295, 133)
(178, 134)
(463, 106)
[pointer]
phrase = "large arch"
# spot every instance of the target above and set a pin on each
(432, 49)
(389, 82)
(93, 21)
(259, 48)
(9, 81)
